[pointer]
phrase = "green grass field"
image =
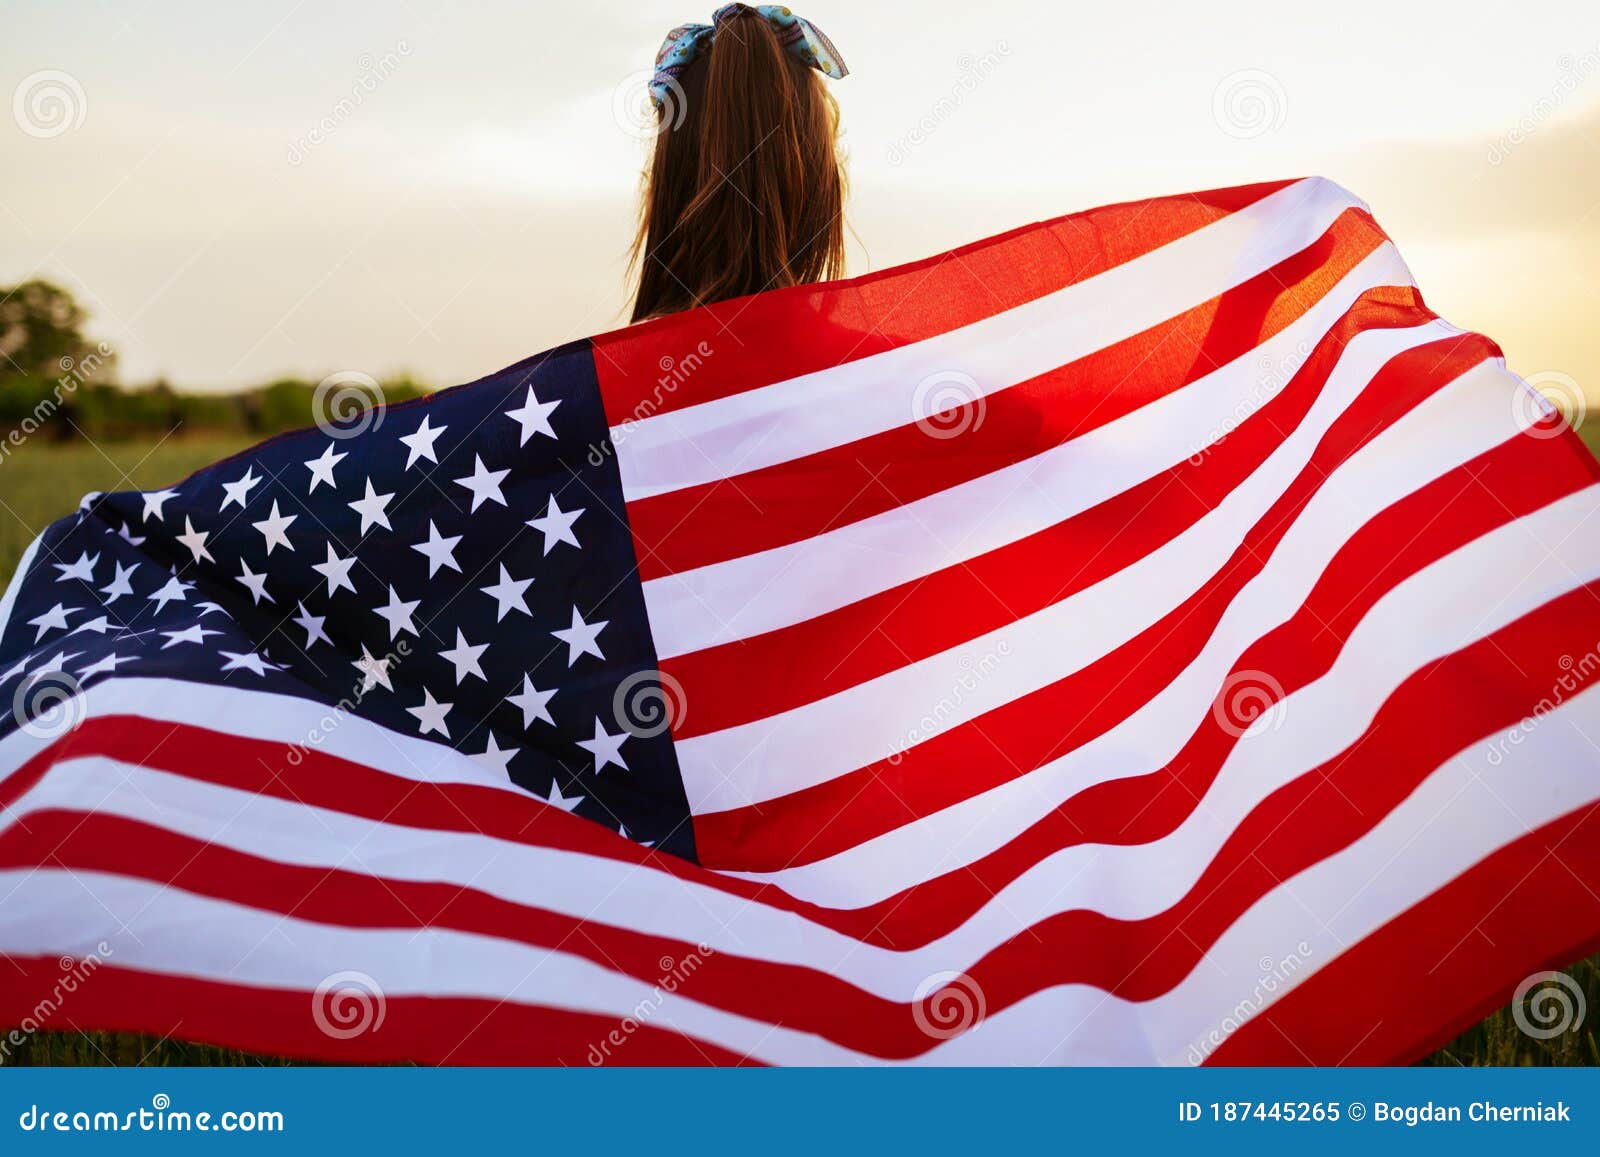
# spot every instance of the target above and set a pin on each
(40, 483)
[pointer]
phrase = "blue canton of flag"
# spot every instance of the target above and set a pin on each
(457, 568)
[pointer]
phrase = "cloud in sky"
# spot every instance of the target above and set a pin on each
(296, 188)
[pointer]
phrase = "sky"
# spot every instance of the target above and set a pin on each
(238, 192)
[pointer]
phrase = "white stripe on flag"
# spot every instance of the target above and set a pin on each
(832, 407)
(1487, 583)
(1456, 818)
(1422, 619)
(773, 588)
(270, 716)
(774, 756)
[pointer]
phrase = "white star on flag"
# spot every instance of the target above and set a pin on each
(59, 663)
(255, 583)
(322, 468)
(248, 661)
(109, 663)
(484, 484)
(312, 626)
(508, 594)
(439, 550)
(533, 702)
(465, 657)
(195, 540)
(430, 714)
(374, 671)
(83, 569)
(581, 637)
(173, 590)
(191, 634)
(533, 417)
(606, 749)
(397, 613)
(556, 525)
(371, 509)
(119, 584)
(497, 758)
(155, 500)
(421, 442)
(273, 526)
(239, 489)
(54, 619)
(564, 802)
(336, 570)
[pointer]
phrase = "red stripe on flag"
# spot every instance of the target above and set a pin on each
(912, 918)
(730, 685)
(318, 779)
(436, 1030)
(755, 341)
(1525, 909)
(820, 821)
(1313, 817)
(792, 501)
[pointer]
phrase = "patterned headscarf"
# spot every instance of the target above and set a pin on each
(797, 35)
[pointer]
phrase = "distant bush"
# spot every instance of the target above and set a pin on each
(55, 383)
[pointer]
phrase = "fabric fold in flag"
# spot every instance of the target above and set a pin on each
(1120, 641)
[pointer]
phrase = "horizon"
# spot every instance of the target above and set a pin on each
(238, 197)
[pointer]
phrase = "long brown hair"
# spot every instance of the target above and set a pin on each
(746, 189)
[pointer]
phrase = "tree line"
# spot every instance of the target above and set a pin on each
(57, 381)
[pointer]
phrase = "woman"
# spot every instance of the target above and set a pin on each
(746, 191)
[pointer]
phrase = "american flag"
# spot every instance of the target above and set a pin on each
(1150, 636)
